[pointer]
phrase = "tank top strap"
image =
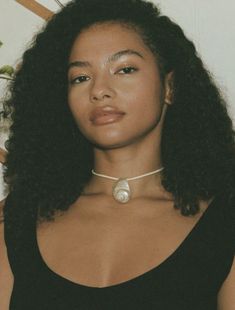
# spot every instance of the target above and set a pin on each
(226, 218)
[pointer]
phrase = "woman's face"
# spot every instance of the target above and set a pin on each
(115, 92)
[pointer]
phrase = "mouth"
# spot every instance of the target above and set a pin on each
(107, 118)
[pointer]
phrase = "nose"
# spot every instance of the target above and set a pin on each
(101, 90)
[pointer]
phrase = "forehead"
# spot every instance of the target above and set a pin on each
(107, 38)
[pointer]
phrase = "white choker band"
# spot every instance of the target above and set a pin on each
(121, 188)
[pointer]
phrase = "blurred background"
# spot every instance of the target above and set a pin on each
(210, 24)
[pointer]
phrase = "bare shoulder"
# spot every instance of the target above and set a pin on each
(6, 276)
(226, 296)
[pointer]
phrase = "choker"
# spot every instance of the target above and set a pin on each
(121, 188)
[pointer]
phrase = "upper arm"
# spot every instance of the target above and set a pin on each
(6, 276)
(226, 297)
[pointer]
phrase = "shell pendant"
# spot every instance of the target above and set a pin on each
(121, 191)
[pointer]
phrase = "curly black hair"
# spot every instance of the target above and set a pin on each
(49, 160)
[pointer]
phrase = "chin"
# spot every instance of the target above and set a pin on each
(107, 141)
(108, 146)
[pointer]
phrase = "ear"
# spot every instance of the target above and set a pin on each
(168, 86)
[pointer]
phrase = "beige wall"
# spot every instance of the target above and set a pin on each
(210, 24)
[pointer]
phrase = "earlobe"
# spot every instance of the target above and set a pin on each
(169, 88)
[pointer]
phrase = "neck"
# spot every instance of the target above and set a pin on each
(127, 163)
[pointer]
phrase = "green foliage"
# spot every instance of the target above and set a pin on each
(6, 71)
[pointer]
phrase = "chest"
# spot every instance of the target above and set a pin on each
(102, 251)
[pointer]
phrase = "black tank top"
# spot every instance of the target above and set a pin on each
(189, 279)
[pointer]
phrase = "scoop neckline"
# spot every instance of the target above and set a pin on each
(137, 278)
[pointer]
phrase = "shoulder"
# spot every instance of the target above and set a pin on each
(6, 276)
(226, 296)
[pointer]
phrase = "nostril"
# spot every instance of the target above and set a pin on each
(100, 96)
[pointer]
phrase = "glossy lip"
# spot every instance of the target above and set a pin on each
(107, 114)
(107, 118)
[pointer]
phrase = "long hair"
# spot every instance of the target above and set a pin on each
(49, 160)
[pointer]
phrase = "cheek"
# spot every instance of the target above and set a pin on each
(76, 107)
(149, 85)
(146, 100)
(73, 97)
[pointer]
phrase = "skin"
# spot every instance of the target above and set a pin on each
(96, 229)
(131, 146)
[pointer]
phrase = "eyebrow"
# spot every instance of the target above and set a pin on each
(112, 58)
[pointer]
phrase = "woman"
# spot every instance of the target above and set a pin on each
(122, 152)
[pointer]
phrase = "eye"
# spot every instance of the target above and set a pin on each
(79, 79)
(128, 70)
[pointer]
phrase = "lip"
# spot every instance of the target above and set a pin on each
(107, 118)
(105, 115)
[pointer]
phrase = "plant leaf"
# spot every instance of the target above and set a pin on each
(7, 70)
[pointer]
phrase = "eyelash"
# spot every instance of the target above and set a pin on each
(132, 68)
(73, 81)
